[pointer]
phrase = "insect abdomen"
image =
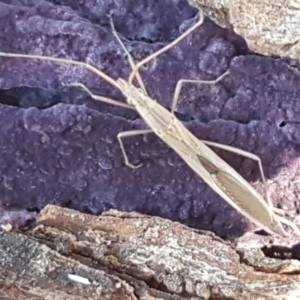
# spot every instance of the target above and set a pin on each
(236, 191)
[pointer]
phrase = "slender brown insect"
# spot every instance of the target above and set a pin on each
(221, 177)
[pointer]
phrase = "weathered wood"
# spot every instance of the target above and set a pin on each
(132, 256)
(31, 270)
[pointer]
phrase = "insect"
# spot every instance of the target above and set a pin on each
(219, 175)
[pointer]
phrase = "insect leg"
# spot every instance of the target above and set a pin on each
(240, 152)
(289, 223)
(196, 81)
(97, 97)
(130, 59)
(167, 47)
(65, 61)
(126, 134)
(255, 158)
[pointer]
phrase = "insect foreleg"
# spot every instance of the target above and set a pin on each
(167, 47)
(126, 134)
(65, 61)
(99, 98)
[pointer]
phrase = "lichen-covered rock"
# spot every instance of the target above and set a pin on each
(59, 146)
(270, 27)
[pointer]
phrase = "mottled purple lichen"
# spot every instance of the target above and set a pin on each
(59, 146)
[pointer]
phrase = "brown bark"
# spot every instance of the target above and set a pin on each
(132, 256)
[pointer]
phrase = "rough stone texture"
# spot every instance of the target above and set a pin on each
(270, 27)
(58, 146)
(132, 256)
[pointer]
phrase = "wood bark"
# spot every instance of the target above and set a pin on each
(70, 255)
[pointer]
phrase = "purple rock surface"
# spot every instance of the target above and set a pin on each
(59, 146)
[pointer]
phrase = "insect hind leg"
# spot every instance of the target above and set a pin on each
(289, 224)
(256, 158)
